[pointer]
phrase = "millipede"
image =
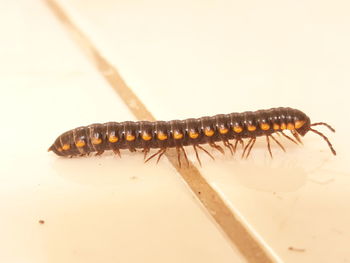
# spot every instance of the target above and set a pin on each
(230, 129)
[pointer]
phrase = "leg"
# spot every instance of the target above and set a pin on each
(145, 152)
(278, 142)
(251, 147)
(228, 145)
(268, 145)
(204, 150)
(195, 149)
(235, 147)
(183, 150)
(241, 142)
(161, 151)
(161, 154)
(296, 136)
(132, 150)
(246, 147)
(99, 153)
(289, 138)
(178, 156)
(217, 147)
(117, 152)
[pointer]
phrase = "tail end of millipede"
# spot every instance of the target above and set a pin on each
(55, 150)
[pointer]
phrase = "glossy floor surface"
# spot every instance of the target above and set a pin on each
(180, 59)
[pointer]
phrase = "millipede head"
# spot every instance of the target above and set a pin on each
(303, 125)
(301, 122)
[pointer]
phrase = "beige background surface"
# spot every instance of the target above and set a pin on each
(182, 59)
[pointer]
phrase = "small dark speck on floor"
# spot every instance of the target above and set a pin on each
(133, 177)
(296, 249)
(41, 222)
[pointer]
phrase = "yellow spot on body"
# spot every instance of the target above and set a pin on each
(96, 140)
(299, 124)
(162, 136)
(237, 129)
(66, 147)
(130, 137)
(193, 134)
(265, 126)
(80, 143)
(209, 132)
(223, 130)
(290, 126)
(112, 138)
(59, 149)
(283, 126)
(276, 126)
(251, 128)
(146, 136)
(178, 135)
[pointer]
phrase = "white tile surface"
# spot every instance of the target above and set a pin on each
(188, 59)
(95, 209)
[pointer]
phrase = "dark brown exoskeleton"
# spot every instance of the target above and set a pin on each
(178, 133)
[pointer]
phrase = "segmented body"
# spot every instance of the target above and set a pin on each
(178, 133)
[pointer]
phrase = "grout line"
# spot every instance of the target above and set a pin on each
(249, 227)
(235, 230)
